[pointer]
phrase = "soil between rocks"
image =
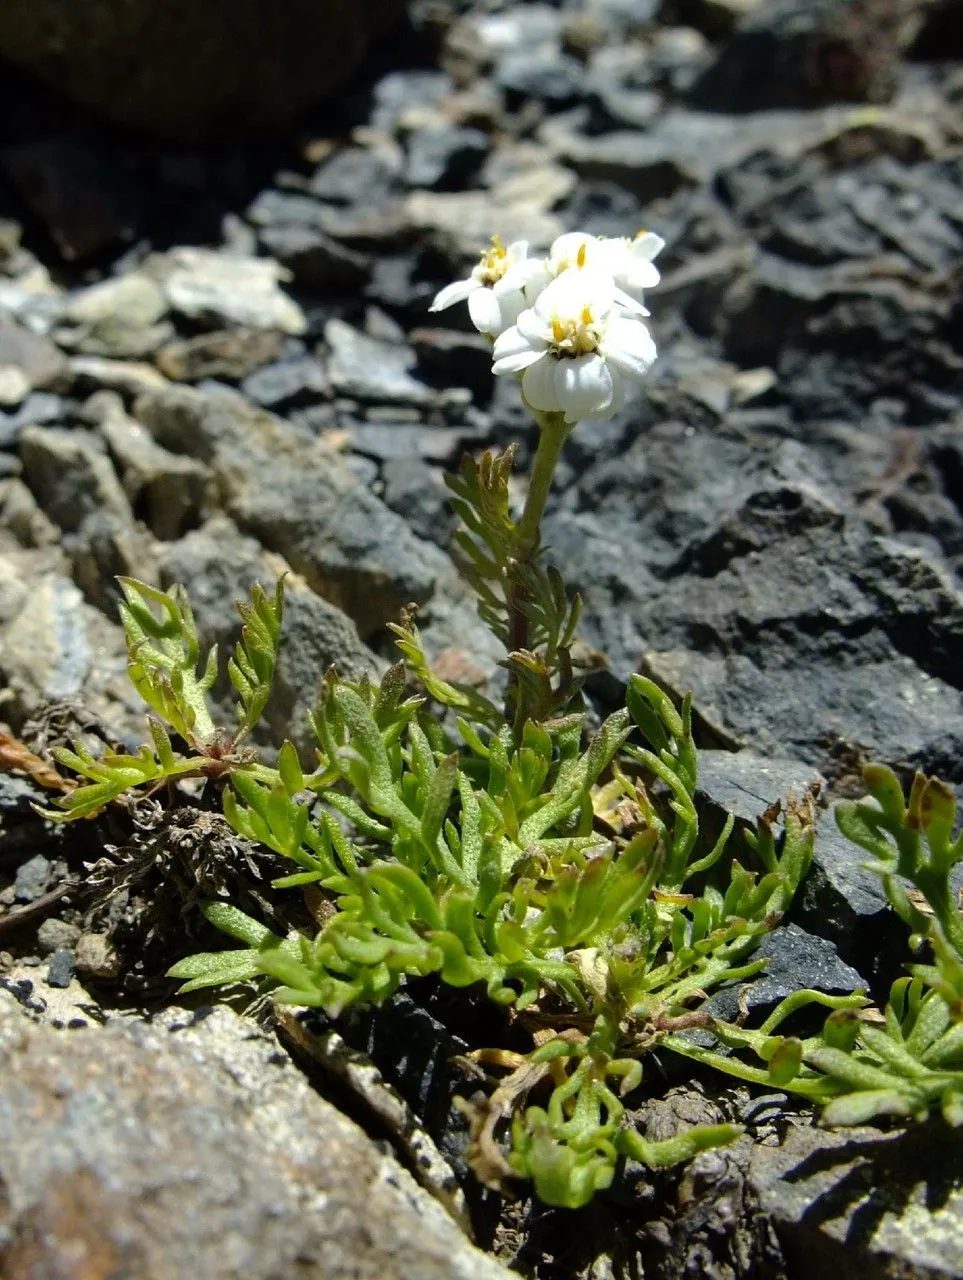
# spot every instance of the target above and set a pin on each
(218, 365)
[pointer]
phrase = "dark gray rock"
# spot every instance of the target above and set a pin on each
(445, 157)
(352, 174)
(300, 500)
(545, 74)
(61, 970)
(36, 356)
(867, 1203)
(174, 77)
(796, 960)
(71, 476)
(799, 53)
(369, 369)
(418, 492)
(287, 384)
(317, 263)
(32, 879)
(450, 357)
(195, 1145)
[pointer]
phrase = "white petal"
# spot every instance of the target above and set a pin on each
(648, 244)
(565, 249)
(538, 385)
(510, 342)
(630, 304)
(453, 293)
(642, 274)
(533, 327)
(486, 314)
(512, 305)
(629, 347)
(516, 362)
(583, 386)
(517, 251)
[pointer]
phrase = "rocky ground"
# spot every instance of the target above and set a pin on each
(216, 365)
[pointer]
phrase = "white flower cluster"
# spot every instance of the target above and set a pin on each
(571, 324)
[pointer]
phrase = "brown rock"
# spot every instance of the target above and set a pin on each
(194, 72)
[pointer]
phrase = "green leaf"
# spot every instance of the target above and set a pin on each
(251, 669)
(163, 654)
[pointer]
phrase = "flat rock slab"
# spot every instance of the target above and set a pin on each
(193, 1147)
(872, 1205)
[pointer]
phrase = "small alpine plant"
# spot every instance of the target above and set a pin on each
(514, 852)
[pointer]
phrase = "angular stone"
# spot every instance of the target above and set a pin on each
(167, 489)
(71, 476)
(865, 1202)
(221, 288)
(194, 1146)
(370, 369)
(299, 499)
(34, 355)
(229, 355)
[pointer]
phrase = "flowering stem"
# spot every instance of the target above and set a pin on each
(553, 432)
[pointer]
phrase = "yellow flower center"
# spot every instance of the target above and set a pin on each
(493, 264)
(576, 337)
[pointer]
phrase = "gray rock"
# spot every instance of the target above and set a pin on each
(220, 288)
(34, 355)
(55, 645)
(444, 157)
(14, 386)
(299, 499)
(71, 476)
(796, 960)
(61, 969)
(121, 318)
(797, 53)
(370, 369)
(229, 355)
(316, 262)
(869, 1203)
(95, 956)
(287, 384)
(128, 378)
(195, 1146)
(32, 879)
(168, 491)
(353, 172)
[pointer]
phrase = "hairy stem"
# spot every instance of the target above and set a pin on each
(554, 431)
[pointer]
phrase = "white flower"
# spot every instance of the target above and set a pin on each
(577, 350)
(627, 261)
(499, 288)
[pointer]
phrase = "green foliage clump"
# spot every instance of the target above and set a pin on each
(557, 868)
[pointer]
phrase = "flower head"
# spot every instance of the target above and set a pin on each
(627, 261)
(577, 350)
(497, 289)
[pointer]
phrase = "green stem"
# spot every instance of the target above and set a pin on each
(554, 431)
(528, 532)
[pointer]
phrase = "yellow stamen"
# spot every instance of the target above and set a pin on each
(586, 315)
(642, 231)
(580, 257)
(498, 248)
(558, 329)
